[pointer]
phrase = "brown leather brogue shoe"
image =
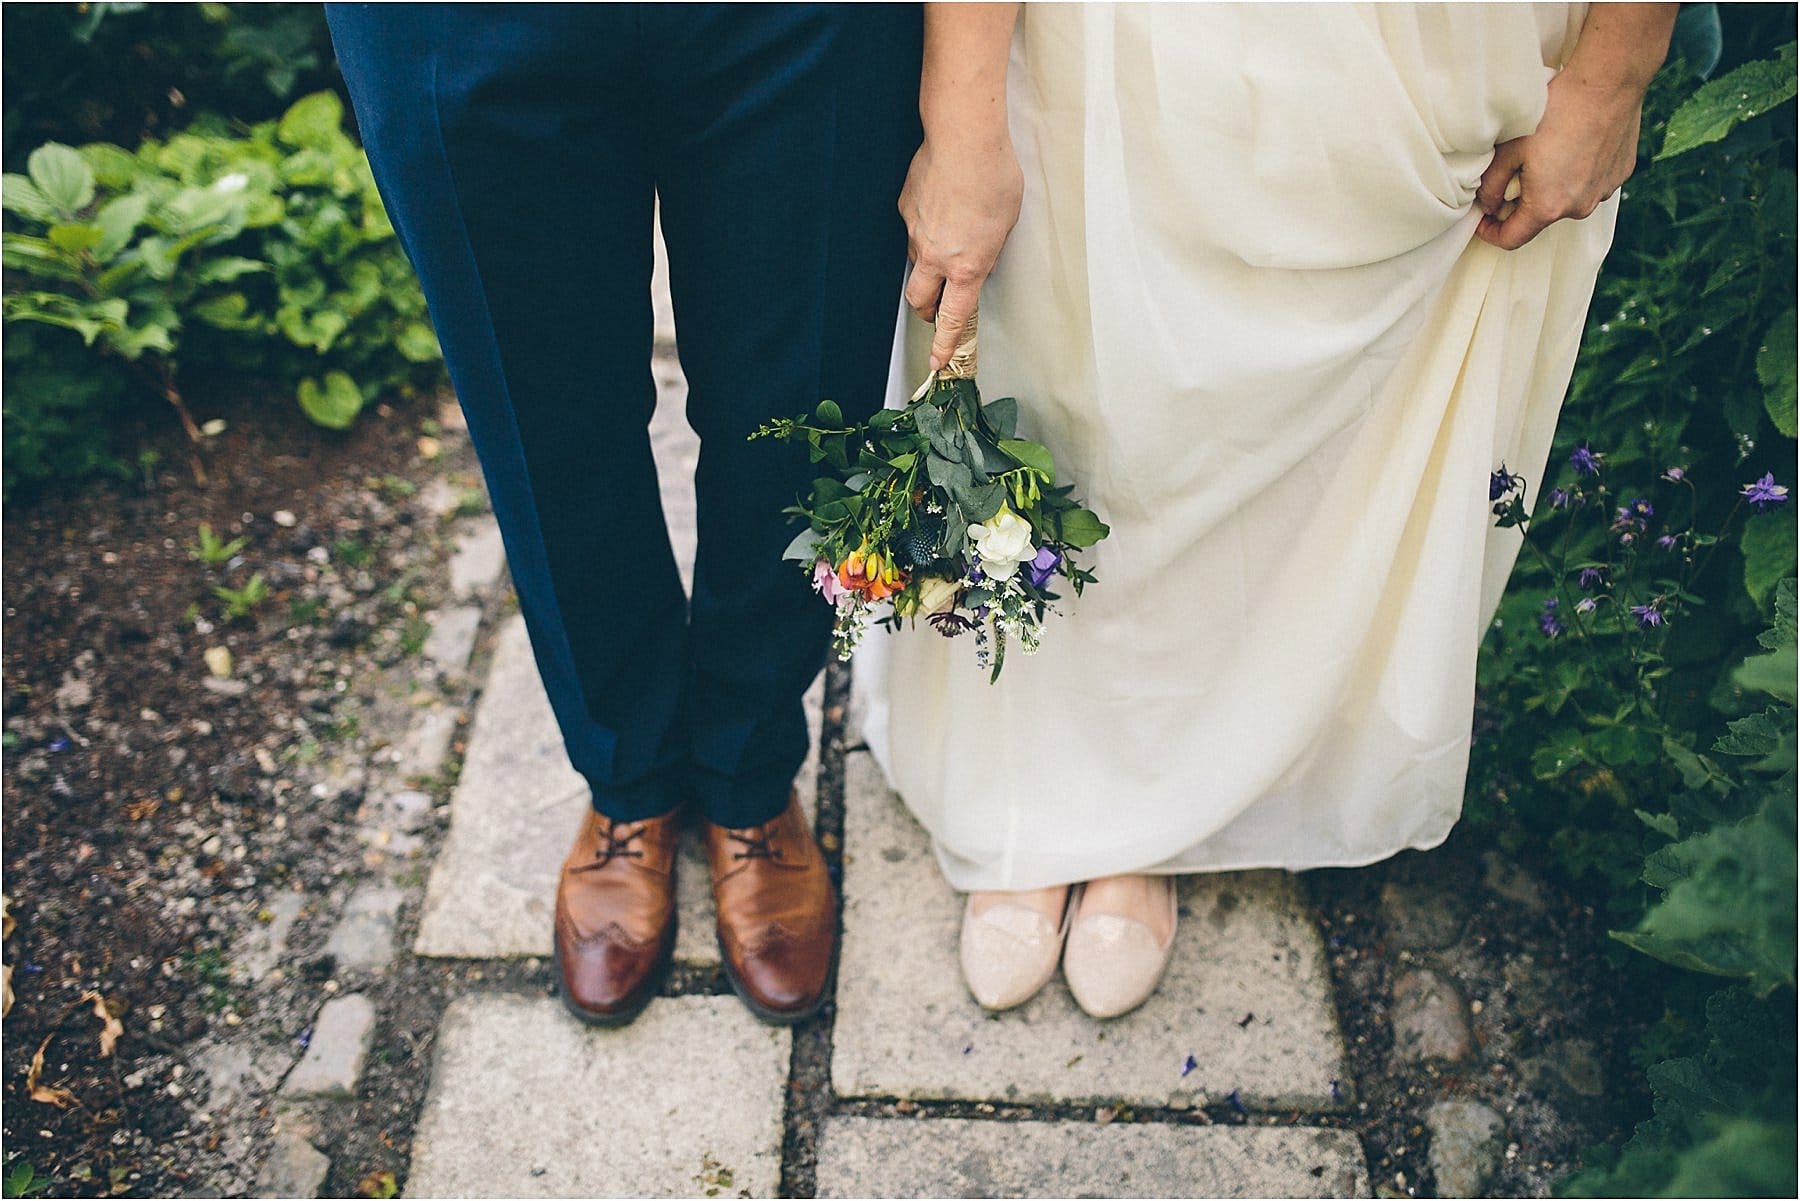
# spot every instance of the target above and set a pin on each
(615, 916)
(777, 914)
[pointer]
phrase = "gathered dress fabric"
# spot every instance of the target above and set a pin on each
(1245, 307)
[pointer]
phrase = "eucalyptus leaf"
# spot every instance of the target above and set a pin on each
(1002, 417)
(828, 414)
(948, 474)
(980, 502)
(805, 546)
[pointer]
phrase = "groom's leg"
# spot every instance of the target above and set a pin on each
(508, 143)
(785, 142)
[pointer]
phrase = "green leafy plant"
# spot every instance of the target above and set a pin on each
(212, 550)
(1637, 689)
(264, 251)
(22, 1180)
(243, 602)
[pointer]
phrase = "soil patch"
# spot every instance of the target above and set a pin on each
(173, 767)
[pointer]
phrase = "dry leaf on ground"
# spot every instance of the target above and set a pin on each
(6, 918)
(62, 1098)
(112, 1027)
(6, 1003)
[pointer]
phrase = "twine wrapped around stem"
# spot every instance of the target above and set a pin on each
(961, 364)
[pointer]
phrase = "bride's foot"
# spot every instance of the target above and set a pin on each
(1121, 936)
(1011, 942)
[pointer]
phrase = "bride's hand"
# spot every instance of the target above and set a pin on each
(960, 202)
(1582, 151)
(1585, 147)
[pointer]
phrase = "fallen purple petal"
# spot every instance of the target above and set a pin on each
(1189, 1064)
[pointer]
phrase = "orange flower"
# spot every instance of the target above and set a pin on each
(870, 573)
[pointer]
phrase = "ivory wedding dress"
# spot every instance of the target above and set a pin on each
(1245, 308)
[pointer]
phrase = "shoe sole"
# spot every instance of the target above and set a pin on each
(646, 992)
(780, 1017)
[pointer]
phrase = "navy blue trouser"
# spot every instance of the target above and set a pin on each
(519, 149)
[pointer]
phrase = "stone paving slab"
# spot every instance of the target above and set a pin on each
(527, 1102)
(516, 807)
(958, 1157)
(1247, 995)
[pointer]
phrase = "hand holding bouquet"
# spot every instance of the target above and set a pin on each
(938, 511)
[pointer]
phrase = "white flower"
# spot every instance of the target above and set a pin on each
(237, 181)
(1003, 542)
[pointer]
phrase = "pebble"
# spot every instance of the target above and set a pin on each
(1430, 1019)
(1466, 1138)
(218, 661)
(1422, 918)
(284, 518)
(333, 1060)
(295, 1168)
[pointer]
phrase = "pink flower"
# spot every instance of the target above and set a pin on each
(825, 582)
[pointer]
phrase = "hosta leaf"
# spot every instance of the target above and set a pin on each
(418, 344)
(226, 268)
(63, 177)
(75, 238)
(118, 219)
(333, 405)
(1767, 544)
(314, 121)
(19, 195)
(1775, 367)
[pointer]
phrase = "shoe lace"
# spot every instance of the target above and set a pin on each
(759, 843)
(618, 845)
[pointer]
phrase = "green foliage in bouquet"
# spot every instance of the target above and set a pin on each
(266, 251)
(1637, 690)
(941, 509)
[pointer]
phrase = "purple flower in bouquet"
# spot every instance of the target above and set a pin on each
(1043, 568)
(1591, 578)
(1668, 542)
(1501, 482)
(1765, 493)
(1642, 509)
(1675, 475)
(1586, 604)
(1585, 460)
(1559, 498)
(1649, 617)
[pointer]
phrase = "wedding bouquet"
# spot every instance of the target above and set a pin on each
(937, 511)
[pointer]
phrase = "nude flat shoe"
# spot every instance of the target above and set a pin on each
(1111, 963)
(1009, 952)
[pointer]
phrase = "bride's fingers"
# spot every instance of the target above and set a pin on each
(924, 287)
(953, 314)
(1491, 192)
